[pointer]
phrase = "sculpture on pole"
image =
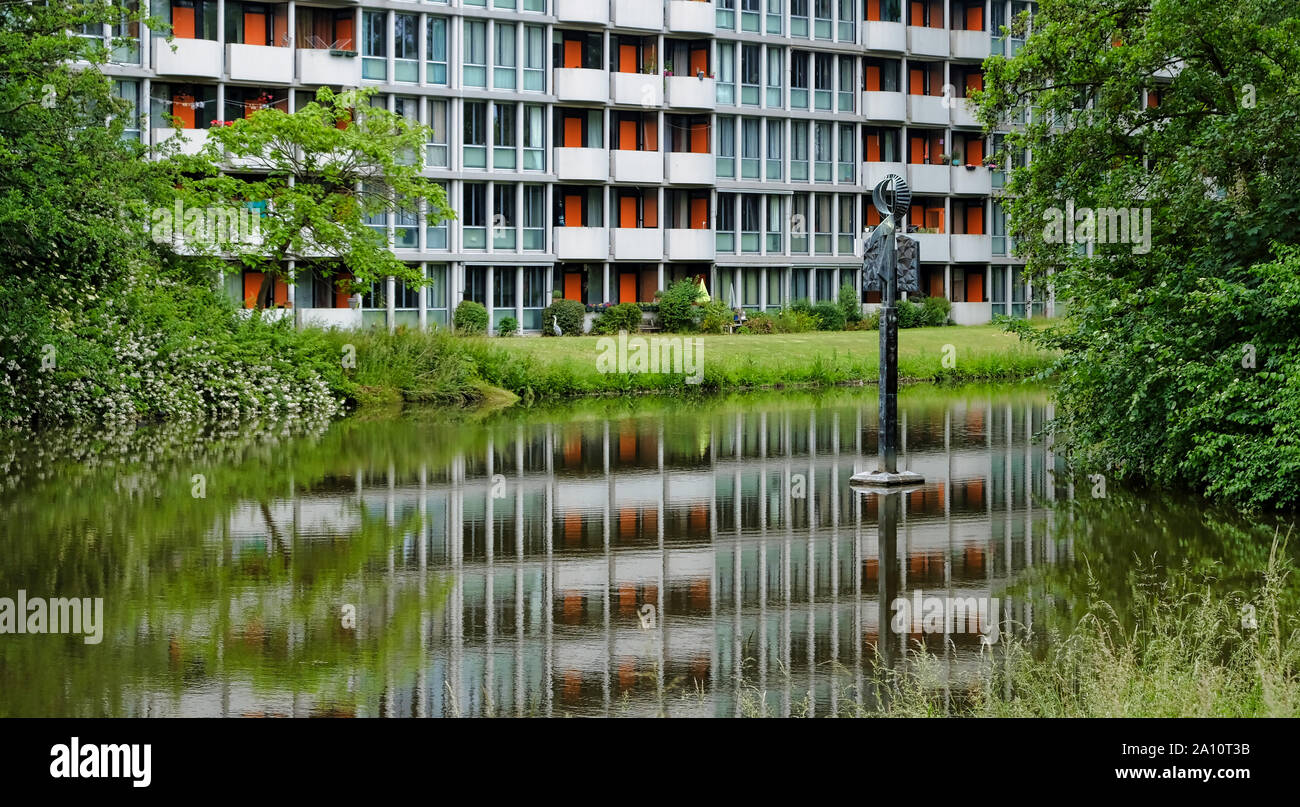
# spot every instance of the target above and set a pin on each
(890, 265)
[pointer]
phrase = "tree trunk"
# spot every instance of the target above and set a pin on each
(266, 294)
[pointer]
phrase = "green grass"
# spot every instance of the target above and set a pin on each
(442, 369)
(982, 352)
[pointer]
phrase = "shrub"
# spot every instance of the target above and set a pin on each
(760, 323)
(849, 302)
(935, 311)
(471, 317)
(801, 306)
(830, 317)
(677, 306)
(569, 313)
(715, 316)
(621, 317)
(791, 320)
(509, 326)
(910, 314)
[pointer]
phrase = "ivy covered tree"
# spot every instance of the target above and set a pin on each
(317, 175)
(1180, 357)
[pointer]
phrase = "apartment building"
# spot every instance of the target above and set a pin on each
(606, 148)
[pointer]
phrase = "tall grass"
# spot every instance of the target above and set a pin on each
(1189, 651)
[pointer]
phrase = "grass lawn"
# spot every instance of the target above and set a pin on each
(982, 351)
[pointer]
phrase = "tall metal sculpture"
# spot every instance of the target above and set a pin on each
(890, 265)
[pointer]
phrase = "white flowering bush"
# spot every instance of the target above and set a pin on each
(161, 353)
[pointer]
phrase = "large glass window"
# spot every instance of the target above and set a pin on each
(799, 78)
(503, 136)
(475, 142)
(534, 138)
(534, 217)
(374, 51)
(406, 47)
(750, 154)
(726, 85)
(436, 156)
(474, 72)
(799, 151)
(503, 216)
(435, 69)
(534, 58)
(726, 146)
(775, 148)
(503, 70)
(474, 215)
(751, 69)
(775, 77)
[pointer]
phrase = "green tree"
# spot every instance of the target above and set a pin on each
(320, 174)
(1180, 350)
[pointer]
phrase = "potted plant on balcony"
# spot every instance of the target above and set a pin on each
(991, 163)
(956, 158)
(668, 69)
(944, 158)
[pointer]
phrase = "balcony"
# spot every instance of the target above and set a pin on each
(637, 89)
(581, 243)
(923, 41)
(881, 105)
(581, 12)
(689, 245)
(638, 14)
(971, 313)
(971, 248)
(581, 165)
(933, 246)
(260, 63)
(332, 67)
(690, 168)
(891, 36)
(581, 85)
(963, 113)
(977, 181)
(691, 92)
(691, 17)
(873, 172)
(970, 45)
(191, 141)
(344, 319)
(640, 167)
(928, 109)
(638, 244)
(927, 179)
(197, 58)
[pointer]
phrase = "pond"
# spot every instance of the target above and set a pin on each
(690, 557)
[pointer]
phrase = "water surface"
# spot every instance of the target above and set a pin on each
(699, 557)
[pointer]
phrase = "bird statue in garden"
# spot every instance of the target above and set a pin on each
(555, 325)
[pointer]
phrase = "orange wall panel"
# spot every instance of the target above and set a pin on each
(627, 287)
(573, 286)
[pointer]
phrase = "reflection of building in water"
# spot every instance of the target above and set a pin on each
(761, 565)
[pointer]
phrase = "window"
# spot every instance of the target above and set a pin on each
(847, 162)
(726, 147)
(726, 222)
(846, 230)
(775, 230)
(474, 215)
(406, 48)
(436, 151)
(775, 77)
(503, 136)
(726, 14)
(374, 53)
(475, 149)
(534, 58)
(824, 227)
(436, 293)
(503, 71)
(799, 77)
(846, 84)
(534, 138)
(475, 67)
(127, 50)
(750, 11)
(823, 80)
(822, 21)
(822, 152)
(799, 18)
(129, 91)
(377, 221)
(503, 216)
(775, 148)
(750, 74)
(435, 68)
(751, 222)
(799, 226)
(847, 31)
(534, 217)
(406, 234)
(726, 73)
(750, 155)
(774, 14)
(799, 151)
(435, 232)
(537, 295)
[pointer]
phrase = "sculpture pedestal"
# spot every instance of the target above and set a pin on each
(885, 479)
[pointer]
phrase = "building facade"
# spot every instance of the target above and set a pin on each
(606, 148)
